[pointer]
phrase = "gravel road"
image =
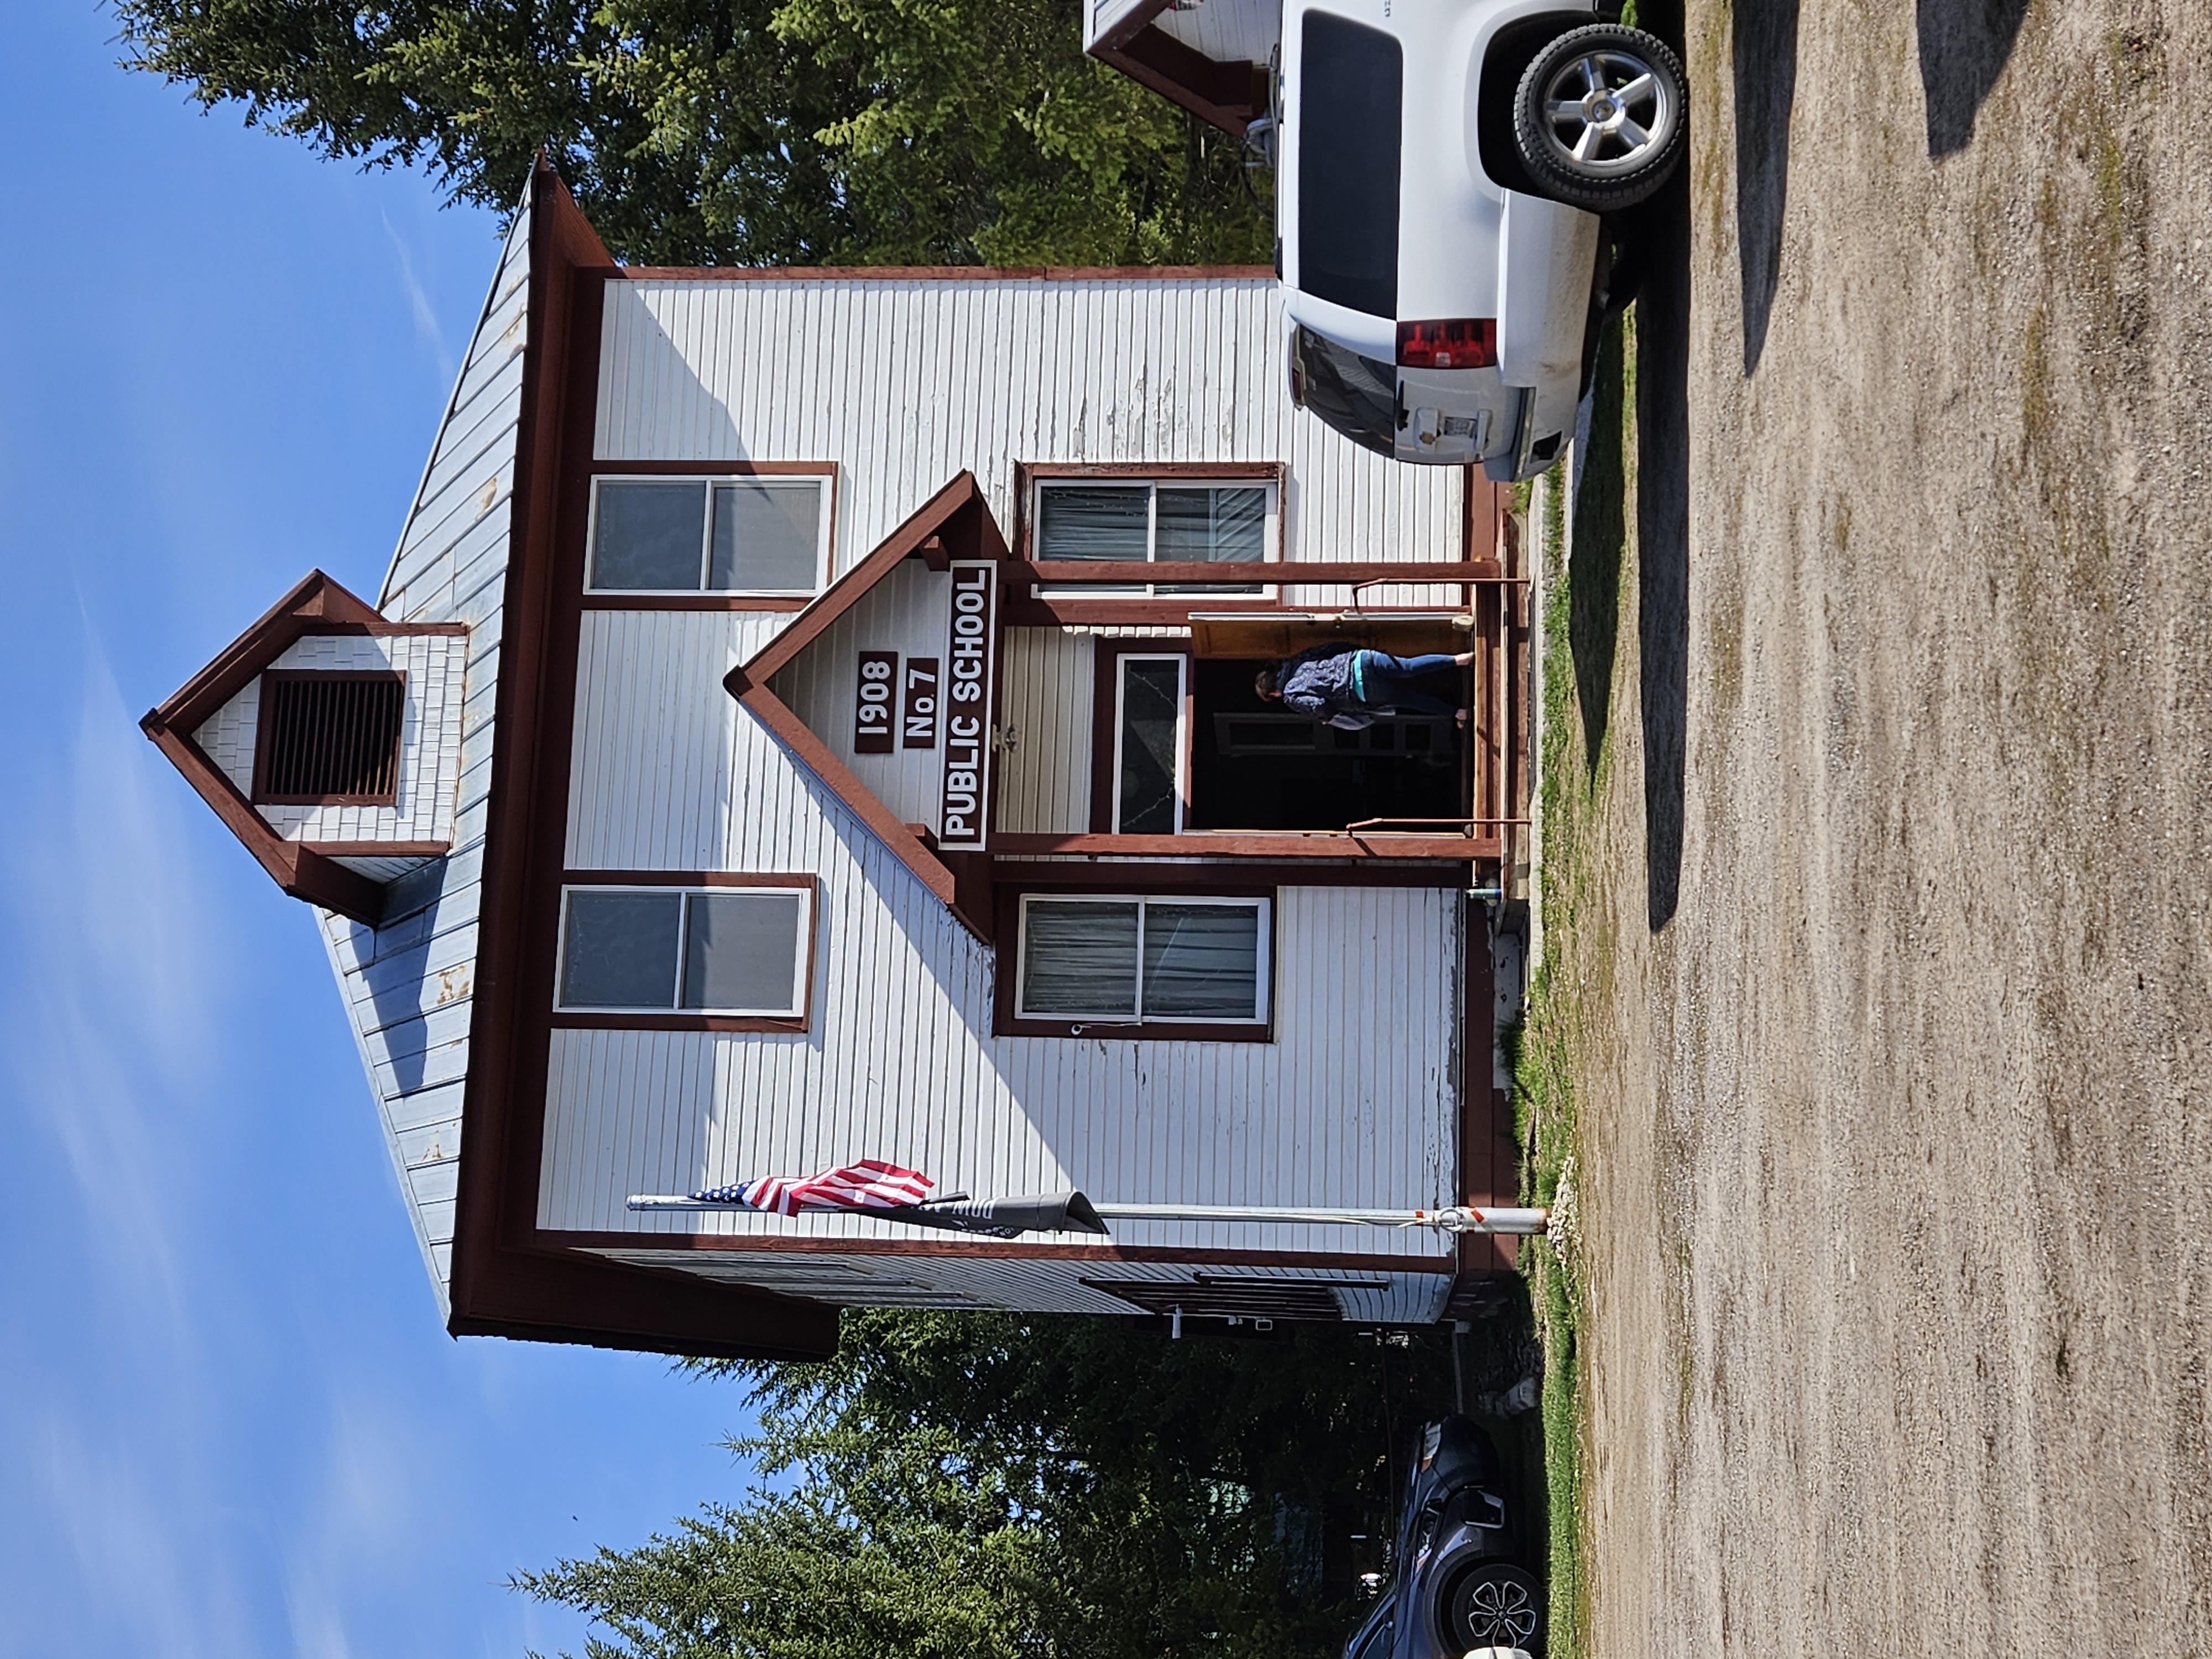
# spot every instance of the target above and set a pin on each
(1896, 1090)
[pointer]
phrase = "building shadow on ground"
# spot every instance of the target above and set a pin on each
(1662, 539)
(1599, 541)
(1964, 46)
(1764, 40)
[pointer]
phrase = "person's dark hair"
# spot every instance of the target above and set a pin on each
(1266, 681)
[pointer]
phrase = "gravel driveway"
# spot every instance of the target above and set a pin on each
(1896, 1079)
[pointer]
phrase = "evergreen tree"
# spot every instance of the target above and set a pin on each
(1013, 1487)
(741, 132)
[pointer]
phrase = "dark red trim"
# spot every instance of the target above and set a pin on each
(1132, 22)
(1065, 610)
(1009, 1250)
(617, 599)
(1032, 608)
(1105, 734)
(943, 273)
(1251, 844)
(692, 878)
(1227, 95)
(811, 752)
(1225, 875)
(957, 516)
(316, 605)
(380, 849)
(300, 871)
(1489, 1160)
(1483, 506)
(957, 520)
(505, 1280)
(564, 1020)
(604, 467)
(611, 600)
(1028, 474)
(1155, 881)
(1291, 573)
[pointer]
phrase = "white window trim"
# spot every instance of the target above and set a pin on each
(1271, 534)
(802, 957)
(1182, 727)
(1263, 975)
(822, 482)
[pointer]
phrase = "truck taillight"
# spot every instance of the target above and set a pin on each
(1461, 343)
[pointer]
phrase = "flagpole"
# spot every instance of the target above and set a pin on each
(1450, 1218)
(1040, 1212)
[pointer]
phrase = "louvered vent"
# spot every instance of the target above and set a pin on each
(329, 739)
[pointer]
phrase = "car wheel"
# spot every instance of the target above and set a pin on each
(1601, 117)
(1495, 1605)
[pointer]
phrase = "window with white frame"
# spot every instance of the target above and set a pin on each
(1158, 521)
(1125, 959)
(730, 951)
(1149, 699)
(752, 535)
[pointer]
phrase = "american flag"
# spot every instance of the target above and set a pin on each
(871, 1184)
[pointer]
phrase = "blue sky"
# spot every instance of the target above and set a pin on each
(230, 1420)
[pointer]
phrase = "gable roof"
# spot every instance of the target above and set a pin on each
(304, 870)
(956, 522)
(499, 1276)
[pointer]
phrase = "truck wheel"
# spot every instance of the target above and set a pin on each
(1601, 117)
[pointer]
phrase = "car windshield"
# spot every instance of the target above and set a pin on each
(1355, 395)
(1348, 108)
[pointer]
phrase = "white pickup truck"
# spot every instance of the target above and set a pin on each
(1440, 169)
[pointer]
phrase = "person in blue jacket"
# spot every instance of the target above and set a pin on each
(1347, 686)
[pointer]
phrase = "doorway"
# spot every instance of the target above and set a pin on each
(1255, 765)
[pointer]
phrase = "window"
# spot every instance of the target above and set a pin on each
(1148, 727)
(1122, 960)
(329, 738)
(1356, 395)
(1150, 521)
(1349, 138)
(730, 950)
(748, 535)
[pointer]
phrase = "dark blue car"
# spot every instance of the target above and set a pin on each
(1461, 1580)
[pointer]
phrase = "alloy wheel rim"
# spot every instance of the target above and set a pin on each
(1606, 112)
(1498, 1607)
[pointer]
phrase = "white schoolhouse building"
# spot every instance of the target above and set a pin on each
(811, 717)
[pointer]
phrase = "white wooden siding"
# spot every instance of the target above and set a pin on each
(909, 612)
(1030, 1286)
(1227, 31)
(651, 784)
(905, 382)
(1354, 1103)
(409, 984)
(435, 665)
(1050, 682)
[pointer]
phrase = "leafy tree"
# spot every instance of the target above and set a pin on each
(1021, 1487)
(747, 131)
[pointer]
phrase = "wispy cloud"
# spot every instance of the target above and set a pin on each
(418, 300)
(148, 1583)
(117, 1013)
(105, 1037)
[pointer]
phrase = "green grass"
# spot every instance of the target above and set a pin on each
(1573, 775)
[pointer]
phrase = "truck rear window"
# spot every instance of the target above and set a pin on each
(1355, 395)
(1348, 108)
